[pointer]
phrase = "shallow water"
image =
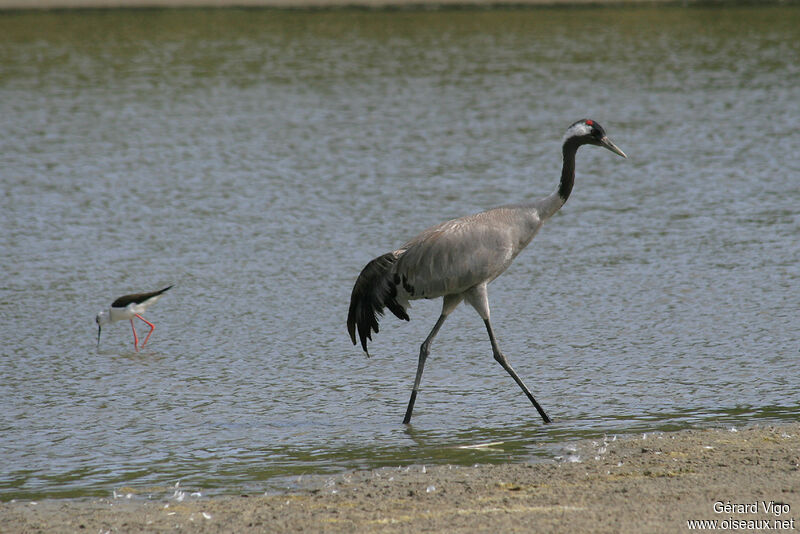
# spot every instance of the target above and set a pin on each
(258, 159)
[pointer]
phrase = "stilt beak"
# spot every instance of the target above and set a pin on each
(606, 142)
(99, 329)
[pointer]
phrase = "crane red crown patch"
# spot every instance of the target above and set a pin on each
(590, 122)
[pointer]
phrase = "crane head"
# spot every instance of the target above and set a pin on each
(589, 132)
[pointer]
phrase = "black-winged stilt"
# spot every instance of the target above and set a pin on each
(128, 307)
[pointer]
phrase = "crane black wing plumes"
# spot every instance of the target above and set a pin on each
(374, 290)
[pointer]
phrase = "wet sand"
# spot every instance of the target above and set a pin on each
(653, 482)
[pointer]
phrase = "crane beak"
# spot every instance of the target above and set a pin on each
(606, 142)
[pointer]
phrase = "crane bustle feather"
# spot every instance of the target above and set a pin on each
(373, 291)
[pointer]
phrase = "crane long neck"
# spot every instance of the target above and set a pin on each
(567, 170)
(553, 203)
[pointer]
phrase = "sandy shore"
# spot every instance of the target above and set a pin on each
(644, 483)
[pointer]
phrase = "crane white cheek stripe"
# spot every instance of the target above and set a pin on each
(457, 259)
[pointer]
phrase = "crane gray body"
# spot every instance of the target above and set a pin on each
(455, 256)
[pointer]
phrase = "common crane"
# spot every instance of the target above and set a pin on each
(457, 259)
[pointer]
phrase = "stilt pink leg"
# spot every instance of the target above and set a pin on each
(135, 337)
(151, 325)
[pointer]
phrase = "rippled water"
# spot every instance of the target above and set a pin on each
(258, 159)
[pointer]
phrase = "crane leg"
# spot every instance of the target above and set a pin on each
(424, 351)
(501, 359)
